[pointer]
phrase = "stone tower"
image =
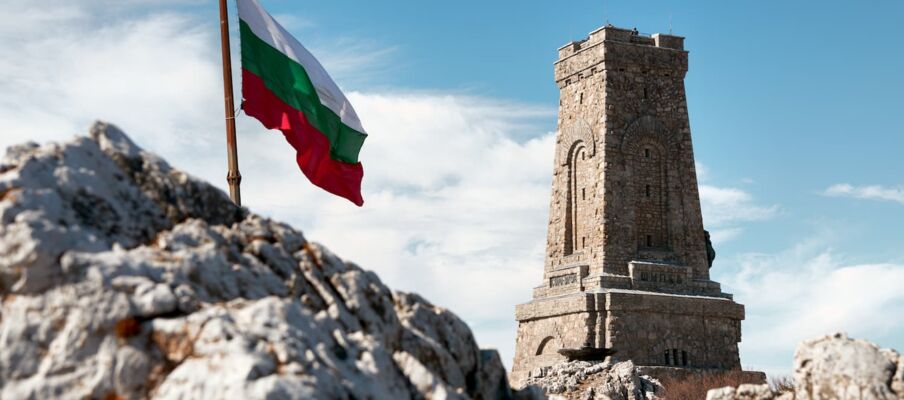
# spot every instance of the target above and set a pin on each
(627, 266)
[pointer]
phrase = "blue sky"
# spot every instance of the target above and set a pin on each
(794, 110)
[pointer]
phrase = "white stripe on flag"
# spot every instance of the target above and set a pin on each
(267, 29)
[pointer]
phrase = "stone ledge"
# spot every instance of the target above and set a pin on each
(633, 300)
(554, 306)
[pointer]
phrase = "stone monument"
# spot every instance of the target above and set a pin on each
(627, 258)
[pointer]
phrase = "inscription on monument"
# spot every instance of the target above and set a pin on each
(659, 274)
(662, 277)
(563, 280)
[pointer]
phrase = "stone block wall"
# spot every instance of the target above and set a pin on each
(694, 332)
(541, 339)
(545, 326)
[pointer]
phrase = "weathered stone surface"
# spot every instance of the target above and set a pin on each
(595, 380)
(122, 276)
(627, 262)
(833, 367)
(837, 367)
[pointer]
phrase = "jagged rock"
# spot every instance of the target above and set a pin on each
(595, 380)
(833, 367)
(122, 277)
(837, 367)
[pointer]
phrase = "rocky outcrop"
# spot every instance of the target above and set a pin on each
(595, 380)
(122, 277)
(833, 367)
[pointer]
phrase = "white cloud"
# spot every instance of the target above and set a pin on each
(722, 235)
(871, 192)
(726, 209)
(724, 205)
(156, 76)
(808, 291)
(356, 61)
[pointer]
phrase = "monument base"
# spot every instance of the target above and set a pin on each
(654, 329)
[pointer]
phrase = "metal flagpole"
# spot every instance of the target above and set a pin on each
(233, 177)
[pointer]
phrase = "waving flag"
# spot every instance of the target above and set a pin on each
(286, 88)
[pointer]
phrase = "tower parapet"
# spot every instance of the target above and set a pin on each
(615, 34)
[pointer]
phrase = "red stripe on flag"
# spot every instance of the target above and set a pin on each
(311, 146)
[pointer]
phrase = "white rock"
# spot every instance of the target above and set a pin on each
(833, 367)
(837, 367)
(620, 381)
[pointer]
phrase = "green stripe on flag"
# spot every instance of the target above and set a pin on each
(288, 80)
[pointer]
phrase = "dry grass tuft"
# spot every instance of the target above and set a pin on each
(695, 387)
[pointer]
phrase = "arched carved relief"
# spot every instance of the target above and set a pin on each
(577, 148)
(576, 199)
(576, 151)
(577, 131)
(648, 150)
(646, 126)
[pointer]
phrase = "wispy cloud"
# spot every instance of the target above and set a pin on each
(724, 205)
(294, 22)
(870, 192)
(810, 290)
(355, 62)
(727, 209)
(155, 74)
